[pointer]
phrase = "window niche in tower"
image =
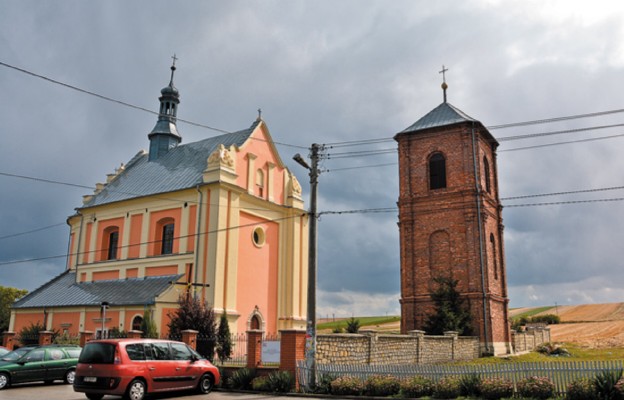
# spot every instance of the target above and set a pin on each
(113, 244)
(493, 247)
(486, 173)
(437, 171)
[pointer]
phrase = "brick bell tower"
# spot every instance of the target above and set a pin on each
(450, 221)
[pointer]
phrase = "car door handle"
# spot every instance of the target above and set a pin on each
(152, 368)
(178, 368)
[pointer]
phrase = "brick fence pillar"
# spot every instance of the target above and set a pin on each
(85, 337)
(254, 348)
(292, 349)
(45, 337)
(134, 334)
(189, 336)
(420, 338)
(7, 340)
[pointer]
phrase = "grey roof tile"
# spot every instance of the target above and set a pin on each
(181, 168)
(63, 291)
(443, 115)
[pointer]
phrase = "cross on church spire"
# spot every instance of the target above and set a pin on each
(444, 85)
(173, 68)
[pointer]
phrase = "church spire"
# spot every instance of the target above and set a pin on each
(165, 134)
(444, 85)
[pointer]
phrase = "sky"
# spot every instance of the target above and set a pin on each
(328, 72)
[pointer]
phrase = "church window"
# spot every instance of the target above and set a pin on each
(260, 182)
(437, 171)
(113, 245)
(254, 323)
(136, 323)
(167, 239)
(486, 173)
(258, 237)
(493, 246)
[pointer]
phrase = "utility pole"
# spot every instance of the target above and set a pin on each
(310, 345)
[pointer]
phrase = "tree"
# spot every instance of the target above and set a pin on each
(148, 326)
(353, 325)
(450, 311)
(194, 314)
(224, 340)
(8, 295)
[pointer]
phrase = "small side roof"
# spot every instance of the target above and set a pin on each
(64, 291)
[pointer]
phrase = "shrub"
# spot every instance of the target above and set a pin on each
(447, 388)
(353, 325)
(469, 385)
(416, 386)
(495, 388)
(224, 340)
(552, 349)
(280, 381)
(380, 385)
(537, 387)
(550, 319)
(347, 385)
(261, 384)
(605, 384)
(582, 389)
(323, 383)
(242, 378)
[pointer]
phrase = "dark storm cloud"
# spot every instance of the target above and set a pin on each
(325, 72)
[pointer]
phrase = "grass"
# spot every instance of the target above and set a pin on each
(533, 312)
(364, 321)
(577, 353)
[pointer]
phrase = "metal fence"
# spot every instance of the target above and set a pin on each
(560, 373)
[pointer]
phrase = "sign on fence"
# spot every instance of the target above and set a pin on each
(270, 351)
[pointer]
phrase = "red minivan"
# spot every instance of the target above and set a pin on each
(135, 367)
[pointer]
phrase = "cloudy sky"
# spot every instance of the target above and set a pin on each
(328, 72)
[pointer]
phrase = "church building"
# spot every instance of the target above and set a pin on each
(450, 222)
(221, 219)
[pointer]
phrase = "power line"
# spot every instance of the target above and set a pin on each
(533, 135)
(32, 231)
(126, 104)
(560, 143)
(556, 119)
(562, 193)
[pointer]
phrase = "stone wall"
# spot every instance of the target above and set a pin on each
(369, 347)
(530, 339)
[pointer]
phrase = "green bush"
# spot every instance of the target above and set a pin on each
(495, 388)
(550, 319)
(381, 385)
(323, 383)
(416, 386)
(582, 389)
(606, 384)
(261, 384)
(447, 388)
(347, 386)
(469, 385)
(242, 379)
(281, 381)
(353, 325)
(536, 387)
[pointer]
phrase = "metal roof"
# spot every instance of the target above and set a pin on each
(63, 291)
(443, 115)
(180, 168)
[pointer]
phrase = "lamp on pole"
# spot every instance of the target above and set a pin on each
(104, 306)
(310, 345)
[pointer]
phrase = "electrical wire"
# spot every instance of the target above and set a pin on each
(32, 231)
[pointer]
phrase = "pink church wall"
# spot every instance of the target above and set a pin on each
(257, 273)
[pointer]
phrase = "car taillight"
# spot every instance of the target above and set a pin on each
(117, 359)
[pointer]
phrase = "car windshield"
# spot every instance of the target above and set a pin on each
(15, 354)
(97, 353)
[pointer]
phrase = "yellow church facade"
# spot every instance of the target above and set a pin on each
(221, 219)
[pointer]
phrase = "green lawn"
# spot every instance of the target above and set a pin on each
(576, 354)
(533, 312)
(364, 321)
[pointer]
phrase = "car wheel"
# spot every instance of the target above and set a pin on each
(4, 380)
(206, 382)
(94, 396)
(70, 376)
(136, 390)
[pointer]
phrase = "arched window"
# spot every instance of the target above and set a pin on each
(493, 247)
(167, 239)
(260, 182)
(255, 323)
(486, 173)
(437, 171)
(136, 323)
(113, 245)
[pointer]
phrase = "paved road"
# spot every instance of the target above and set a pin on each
(59, 391)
